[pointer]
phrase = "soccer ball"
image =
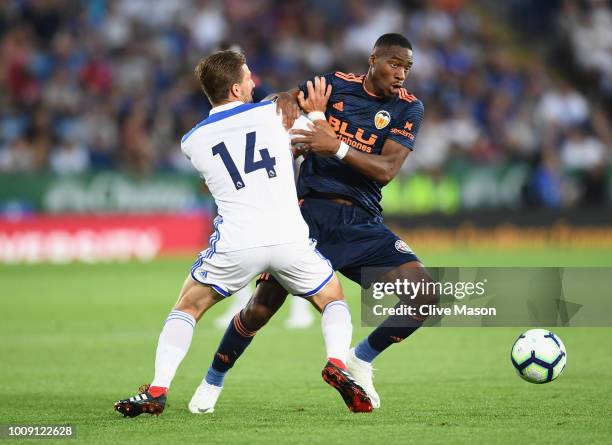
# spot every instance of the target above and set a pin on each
(538, 356)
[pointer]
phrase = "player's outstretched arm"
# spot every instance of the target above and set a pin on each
(381, 169)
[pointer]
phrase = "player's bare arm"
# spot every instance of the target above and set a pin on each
(381, 169)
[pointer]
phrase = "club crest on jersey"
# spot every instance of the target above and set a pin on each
(402, 247)
(382, 119)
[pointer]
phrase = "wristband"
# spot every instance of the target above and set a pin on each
(316, 116)
(342, 150)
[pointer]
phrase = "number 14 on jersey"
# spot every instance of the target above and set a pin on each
(250, 165)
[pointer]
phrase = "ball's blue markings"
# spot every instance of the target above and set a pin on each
(549, 366)
(553, 338)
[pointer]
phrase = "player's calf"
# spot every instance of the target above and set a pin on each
(235, 340)
(240, 332)
(395, 328)
(173, 344)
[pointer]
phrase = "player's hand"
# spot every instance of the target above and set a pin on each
(299, 150)
(318, 139)
(318, 95)
(288, 107)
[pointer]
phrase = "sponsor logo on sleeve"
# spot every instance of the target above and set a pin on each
(404, 133)
(402, 247)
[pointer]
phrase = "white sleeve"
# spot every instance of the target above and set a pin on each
(301, 123)
(185, 150)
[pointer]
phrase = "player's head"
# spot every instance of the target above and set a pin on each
(390, 63)
(224, 76)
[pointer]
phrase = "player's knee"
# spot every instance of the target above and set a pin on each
(430, 298)
(331, 292)
(320, 301)
(195, 307)
(256, 315)
(196, 300)
(268, 299)
(425, 300)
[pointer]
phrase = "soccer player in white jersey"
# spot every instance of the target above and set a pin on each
(242, 151)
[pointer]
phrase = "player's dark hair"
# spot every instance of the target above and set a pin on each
(392, 39)
(218, 72)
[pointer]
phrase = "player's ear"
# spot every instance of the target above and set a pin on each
(371, 59)
(235, 90)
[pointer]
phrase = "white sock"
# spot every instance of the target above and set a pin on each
(337, 330)
(173, 344)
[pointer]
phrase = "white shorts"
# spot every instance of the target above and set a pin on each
(298, 267)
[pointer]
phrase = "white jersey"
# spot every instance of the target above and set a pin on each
(242, 151)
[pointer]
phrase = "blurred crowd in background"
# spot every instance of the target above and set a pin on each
(102, 84)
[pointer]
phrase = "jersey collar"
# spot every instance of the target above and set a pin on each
(225, 107)
(369, 93)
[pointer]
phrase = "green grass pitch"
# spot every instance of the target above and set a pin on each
(75, 338)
